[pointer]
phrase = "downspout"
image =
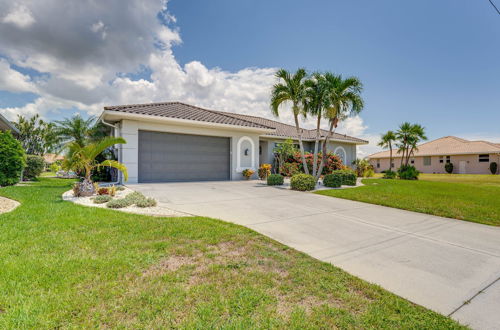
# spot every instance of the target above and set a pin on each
(118, 156)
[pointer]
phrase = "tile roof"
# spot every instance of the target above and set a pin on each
(448, 145)
(181, 110)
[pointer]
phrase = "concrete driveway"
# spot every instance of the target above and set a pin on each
(450, 266)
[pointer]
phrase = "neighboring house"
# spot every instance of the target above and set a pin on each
(468, 157)
(52, 158)
(173, 141)
(6, 125)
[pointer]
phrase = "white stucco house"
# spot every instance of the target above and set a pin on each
(173, 141)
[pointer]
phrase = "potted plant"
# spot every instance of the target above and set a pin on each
(264, 171)
(247, 173)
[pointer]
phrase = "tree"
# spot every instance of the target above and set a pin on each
(408, 136)
(82, 159)
(291, 89)
(75, 129)
(283, 151)
(316, 99)
(11, 159)
(36, 136)
(344, 101)
(386, 141)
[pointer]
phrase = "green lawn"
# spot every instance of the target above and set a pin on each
(466, 197)
(65, 266)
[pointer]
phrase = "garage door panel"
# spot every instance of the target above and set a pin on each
(165, 157)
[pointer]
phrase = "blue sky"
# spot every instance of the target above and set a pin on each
(432, 62)
(427, 61)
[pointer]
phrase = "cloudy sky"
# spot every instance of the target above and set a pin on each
(432, 62)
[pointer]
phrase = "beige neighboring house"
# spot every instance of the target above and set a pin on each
(173, 141)
(468, 157)
(52, 158)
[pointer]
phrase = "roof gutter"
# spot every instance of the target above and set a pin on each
(9, 124)
(118, 115)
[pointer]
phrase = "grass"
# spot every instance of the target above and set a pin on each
(459, 196)
(69, 266)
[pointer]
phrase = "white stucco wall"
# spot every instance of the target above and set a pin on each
(240, 140)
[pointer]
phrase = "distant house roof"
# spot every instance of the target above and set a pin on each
(51, 158)
(448, 145)
(6, 125)
(180, 110)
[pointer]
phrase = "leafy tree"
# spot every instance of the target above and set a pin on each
(291, 89)
(386, 141)
(36, 136)
(344, 101)
(11, 159)
(282, 152)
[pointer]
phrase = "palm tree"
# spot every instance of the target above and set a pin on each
(75, 129)
(82, 159)
(344, 101)
(291, 89)
(316, 99)
(417, 135)
(409, 135)
(386, 141)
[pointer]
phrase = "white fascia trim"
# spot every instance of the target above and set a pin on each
(238, 152)
(118, 115)
(272, 137)
(398, 155)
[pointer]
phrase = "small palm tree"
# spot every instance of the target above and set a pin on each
(83, 159)
(386, 141)
(291, 89)
(409, 135)
(75, 129)
(344, 101)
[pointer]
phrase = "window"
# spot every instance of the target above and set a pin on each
(378, 163)
(260, 150)
(441, 159)
(392, 165)
(412, 161)
(339, 151)
(484, 158)
(448, 159)
(427, 161)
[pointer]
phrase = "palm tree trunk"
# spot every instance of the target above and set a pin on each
(301, 145)
(333, 124)
(390, 156)
(316, 145)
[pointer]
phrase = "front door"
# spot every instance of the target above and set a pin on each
(462, 167)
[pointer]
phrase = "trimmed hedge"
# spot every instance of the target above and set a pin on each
(302, 182)
(332, 180)
(11, 159)
(493, 167)
(275, 180)
(448, 167)
(348, 177)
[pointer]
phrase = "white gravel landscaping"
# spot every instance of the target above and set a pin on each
(7, 205)
(154, 211)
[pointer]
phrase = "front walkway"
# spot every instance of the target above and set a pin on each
(435, 262)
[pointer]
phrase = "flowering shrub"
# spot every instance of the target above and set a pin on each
(264, 171)
(247, 173)
(333, 162)
(289, 169)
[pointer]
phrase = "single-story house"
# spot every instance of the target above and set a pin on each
(6, 125)
(173, 141)
(52, 158)
(468, 157)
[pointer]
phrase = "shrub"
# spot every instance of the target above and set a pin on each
(101, 199)
(120, 188)
(146, 202)
(54, 167)
(11, 159)
(302, 182)
(289, 169)
(369, 173)
(103, 191)
(493, 167)
(348, 177)
(333, 162)
(264, 171)
(247, 173)
(332, 180)
(34, 167)
(389, 174)
(408, 172)
(448, 167)
(119, 203)
(275, 180)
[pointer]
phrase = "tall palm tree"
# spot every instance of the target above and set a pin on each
(417, 135)
(75, 129)
(403, 134)
(316, 99)
(386, 141)
(344, 101)
(291, 89)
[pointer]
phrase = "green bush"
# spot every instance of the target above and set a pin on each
(408, 172)
(389, 174)
(118, 203)
(448, 167)
(54, 167)
(102, 199)
(369, 173)
(146, 202)
(493, 167)
(302, 182)
(332, 180)
(348, 177)
(275, 180)
(34, 167)
(11, 159)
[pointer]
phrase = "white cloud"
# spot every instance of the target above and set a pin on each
(14, 81)
(19, 16)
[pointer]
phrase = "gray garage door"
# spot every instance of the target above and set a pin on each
(168, 157)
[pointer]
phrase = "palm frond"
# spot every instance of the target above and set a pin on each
(115, 164)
